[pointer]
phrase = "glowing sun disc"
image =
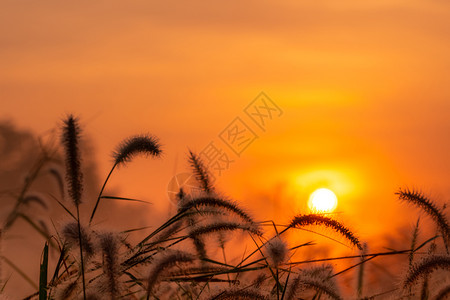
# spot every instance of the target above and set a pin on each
(322, 200)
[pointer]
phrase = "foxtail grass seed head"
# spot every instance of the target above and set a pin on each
(70, 141)
(163, 263)
(109, 244)
(140, 144)
(418, 199)
(321, 287)
(277, 251)
(201, 230)
(294, 286)
(67, 291)
(220, 203)
(316, 278)
(259, 280)
(320, 220)
(201, 173)
(70, 235)
(426, 266)
(322, 272)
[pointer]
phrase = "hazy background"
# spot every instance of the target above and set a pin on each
(363, 86)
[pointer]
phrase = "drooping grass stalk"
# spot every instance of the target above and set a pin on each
(316, 219)
(418, 199)
(222, 226)
(425, 267)
(126, 151)
(220, 203)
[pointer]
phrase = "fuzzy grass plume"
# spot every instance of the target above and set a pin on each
(223, 226)
(70, 140)
(72, 237)
(201, 172)
(110, 248)
(316, 219)
(277, 251)
(165, 262)
(316, 278)
(418, 199)
(140, 144)
(426, 266)
(67, 291)
(126, 151)
(220, 203)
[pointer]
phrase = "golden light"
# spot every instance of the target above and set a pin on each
(322, 200)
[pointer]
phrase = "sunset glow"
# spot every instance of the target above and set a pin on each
(278, 109)
(323, 201)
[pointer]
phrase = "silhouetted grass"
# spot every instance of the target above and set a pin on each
(178, 259)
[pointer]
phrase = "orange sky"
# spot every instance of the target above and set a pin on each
(363, 86)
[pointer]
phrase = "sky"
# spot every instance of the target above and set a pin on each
(361, 86)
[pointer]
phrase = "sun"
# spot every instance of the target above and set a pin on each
(322, 201)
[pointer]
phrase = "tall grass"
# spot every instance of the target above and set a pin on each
(179, 259)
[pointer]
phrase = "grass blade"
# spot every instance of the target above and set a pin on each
(43, 274)
(125, 199)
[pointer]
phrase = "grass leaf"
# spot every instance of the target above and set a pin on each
(43, 274)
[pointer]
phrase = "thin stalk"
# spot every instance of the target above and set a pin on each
(351, 256)
(81, 253)
(278, 290)
(100, 194)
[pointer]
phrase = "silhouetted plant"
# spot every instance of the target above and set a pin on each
(178, 259)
